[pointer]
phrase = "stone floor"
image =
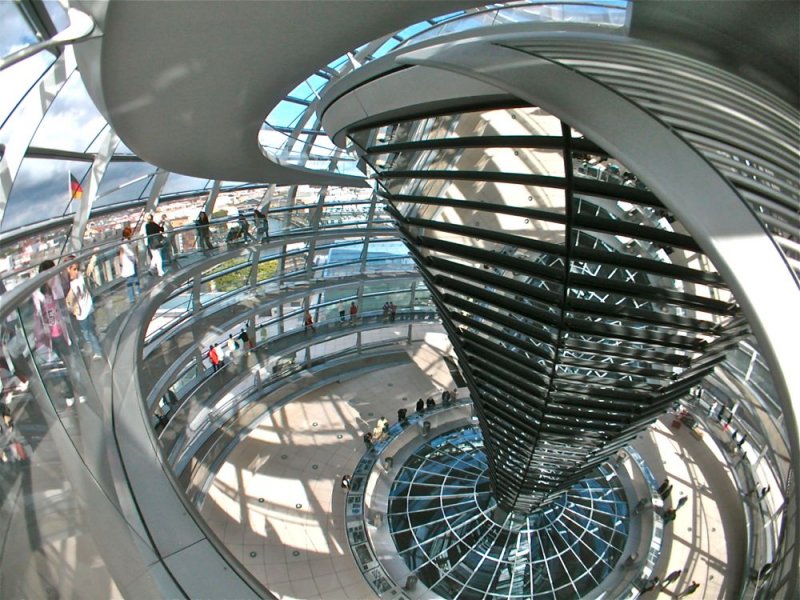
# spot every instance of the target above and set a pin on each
(277, 504)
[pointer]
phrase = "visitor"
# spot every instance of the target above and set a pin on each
(353, 312)
(213, 357)
(233, 346)
(245, 339)
(649, 585)
(49, 328)
(155, 241)
(203, 232)
(170, 246)
(244, 228)
(79, 303)
(127, 265)
(220, 355)
(262, 225)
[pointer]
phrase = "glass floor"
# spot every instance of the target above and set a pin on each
(441, 517)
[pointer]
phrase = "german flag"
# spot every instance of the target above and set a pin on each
(75, 189)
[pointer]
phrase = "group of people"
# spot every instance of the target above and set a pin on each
(378, 434)
(389, 311)
(430, 403)
(664, 490)
(381, 430)
(230, 347)
(63, 304)
(161, 249)
(353, 310)
(162, 246)
(63, 324)
(240, 233)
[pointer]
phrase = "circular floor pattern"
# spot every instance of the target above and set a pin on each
(441, 517)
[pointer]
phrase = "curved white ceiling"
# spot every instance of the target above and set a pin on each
(187, 85)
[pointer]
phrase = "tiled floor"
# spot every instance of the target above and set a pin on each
(278, 506)
(277, 503)
(707, 538)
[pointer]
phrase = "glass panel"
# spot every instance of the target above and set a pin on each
(41, 191)
(72, 122)
(344, 214)
(475, 160)
(177, 184)
(604, 168)
(527, 121)
(388, 256)
(63, 496)
(228, 278)
(174, 310)
(124, 182)
(20, 261)
(343, 259)
(109, 227)
(57, 14)
(494, 195)
(16, 80)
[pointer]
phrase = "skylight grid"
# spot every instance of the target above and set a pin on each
(578, 538)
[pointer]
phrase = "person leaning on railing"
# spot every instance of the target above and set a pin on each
(262, 225)
(203, 232)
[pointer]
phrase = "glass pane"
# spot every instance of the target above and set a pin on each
(15, 81)
(477, 160)
(72, 122)
(41, 191)
(179, 184)
(124, 182)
